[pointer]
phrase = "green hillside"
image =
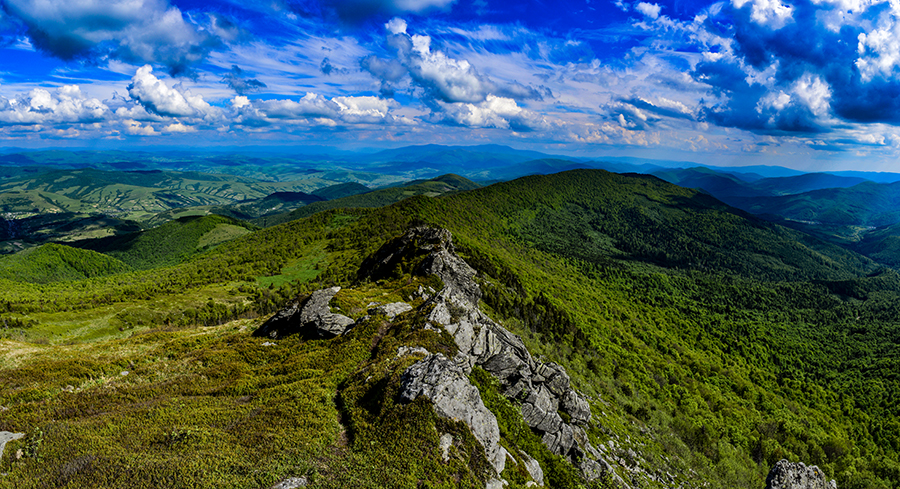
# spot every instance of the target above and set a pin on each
(866, 204)
(377, 198)
(710, 344)
(169, 243)
(54, 263)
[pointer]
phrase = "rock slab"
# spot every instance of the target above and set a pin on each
(446, 385)
(311, 317)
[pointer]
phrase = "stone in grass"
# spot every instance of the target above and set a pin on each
(6, 437)
(291, 483)
(312, 318)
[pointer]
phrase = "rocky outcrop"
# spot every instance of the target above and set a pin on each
(446, 384)
(543, 390)
(548, 403)
(311, 317)
(789, 475)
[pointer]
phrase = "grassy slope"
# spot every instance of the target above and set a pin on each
(136, 194)
(731, 365)
(866, 204)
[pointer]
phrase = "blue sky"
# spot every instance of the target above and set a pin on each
(807, 84)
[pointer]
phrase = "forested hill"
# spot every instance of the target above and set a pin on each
(601, 217)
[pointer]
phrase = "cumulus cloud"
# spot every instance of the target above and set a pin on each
(67, 105)
(879, 49)
(312, 107)
(651, 10)
(498, 112)
(135, 128)
(443, 78)
(769, 13)
(806, 67)
(137, 31)
(157, 97)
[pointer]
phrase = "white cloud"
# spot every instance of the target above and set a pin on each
(312, 107)
(879, 50)
(39, 106)
(814, 93)
(396, 26)
(651, 10)
(499, 112)
(772, 100)
(178, 127)
(770, 13)
(157, 97)
(137, 129)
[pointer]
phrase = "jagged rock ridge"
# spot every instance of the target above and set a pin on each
(543, 389)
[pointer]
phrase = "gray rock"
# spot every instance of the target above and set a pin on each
(317, 313)
(446, 443)
(494, 484)
(443, 382)
(440, 314)
(486, 345)
(291, 483)
(557, 380)
(575, 406)
(463, 333)
(6, 437)
(789, 475)
(543, 389)
(312, 317)
(414, 350)
(391, 310)
(539, 412)
(560, 441)
(533, 468)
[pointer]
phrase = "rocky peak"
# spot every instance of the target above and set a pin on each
(424, 251)
(543, 390)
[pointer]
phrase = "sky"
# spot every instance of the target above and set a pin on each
(813, 85)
